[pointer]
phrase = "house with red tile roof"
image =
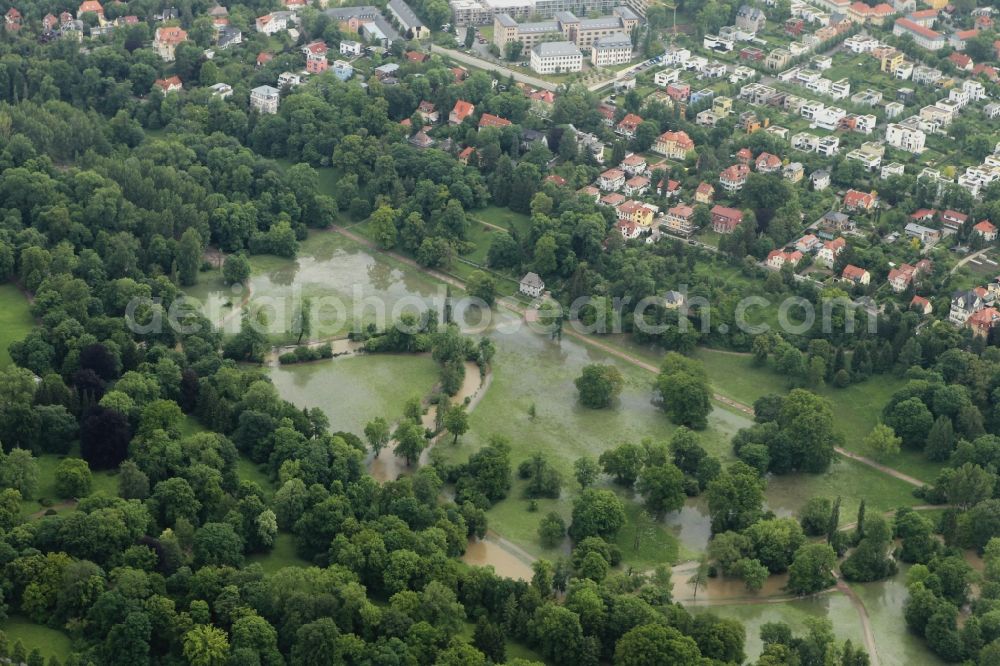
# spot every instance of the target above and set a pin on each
(668, 188)
(675, 145)
(961, 61)
(417, 57)
(986, 230)
(628, 125)
(590, 191)
(860, 201)
(12, 20)
(460, 112)
(613, 199)
(556, 179)
(489, 120)
(953, 219)
(923, 215)
(88, 6)
(725, 220)
(767, 163)
(465, 156)
(172, 84)
(777, 259)
(634, 164)
(704, 193)
(744, 155)
(856, 275)
(901, 277)
(263, 58)
(830, 251)
(166, 40)
(921, 305)
(629, 229)
(983, 321)
(636, 186)
(680, 219)
(316, 62)
(924, 37)
(734, 178)
(611, 180)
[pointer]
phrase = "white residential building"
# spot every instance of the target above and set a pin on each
(899, 136)
(352, 48)
(615, 49)
(556, 58)
(265, 99)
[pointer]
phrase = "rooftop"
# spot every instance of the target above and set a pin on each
(551, 49)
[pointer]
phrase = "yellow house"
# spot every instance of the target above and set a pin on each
(892, 61)
(722, 106)
(936, 4)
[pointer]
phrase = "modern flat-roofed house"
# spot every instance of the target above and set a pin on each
(531, 285)
(351, 47)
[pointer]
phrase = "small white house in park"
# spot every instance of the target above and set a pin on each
(532, 285)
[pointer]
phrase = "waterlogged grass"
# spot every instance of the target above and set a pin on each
(349, 288)
(15, 319)
(530, 369)
(352, 391)
(896, 646)
(281, 556)
(834, 607)
(50, 642)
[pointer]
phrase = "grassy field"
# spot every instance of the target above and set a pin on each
(15, 319)
(857, 408)
(281, 556)
(105, 482)
(50, 642)
(503, 217)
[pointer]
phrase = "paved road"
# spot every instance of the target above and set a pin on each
(492, 66)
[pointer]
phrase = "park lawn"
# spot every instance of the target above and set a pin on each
(328, 176)
(103, 481)
(282, 555)
(503, 217)
(191, 426)
(50, 642)
(515, 650)
(15, 319)
(248, 470)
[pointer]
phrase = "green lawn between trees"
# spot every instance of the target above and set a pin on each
(15, 319)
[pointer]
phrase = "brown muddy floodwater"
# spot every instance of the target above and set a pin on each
(485, 553)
